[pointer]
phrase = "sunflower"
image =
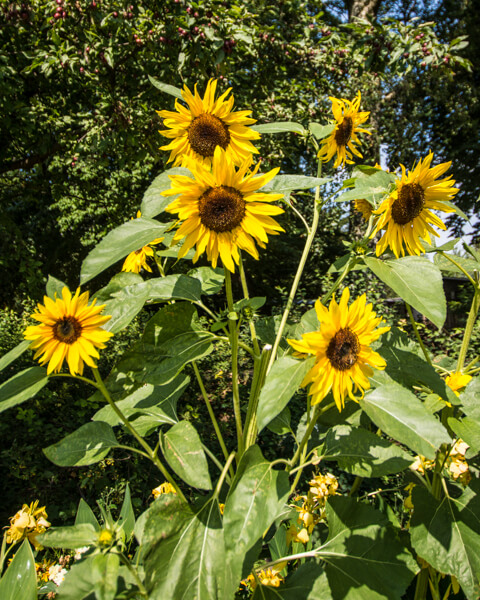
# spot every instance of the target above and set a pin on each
(364, 207)
(137, 260)
(206, 124)
(457, 381)
(221, 210)
(69, 329)
(406, 214)
(342, 349)
(343, 138)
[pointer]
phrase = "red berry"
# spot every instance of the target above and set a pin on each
(57, 16)
(196, 15)
(115, 14)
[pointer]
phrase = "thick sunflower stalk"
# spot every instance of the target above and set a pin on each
(370, 404)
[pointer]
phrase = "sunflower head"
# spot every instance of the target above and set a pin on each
(205, 124)
(137, 260)
(406, 214)
(341, 142)
(364, 208)
(221, 210)
(344, 359)
(70, 329)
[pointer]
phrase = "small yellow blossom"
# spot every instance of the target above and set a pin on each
(164, 488)
(105, 537)
(421, 464)
(457, 465)
(269, 577)
(457, 381)
(322, 486)
(221, 506)
(297, 535)
(408, 503)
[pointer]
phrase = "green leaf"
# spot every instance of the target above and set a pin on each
(210, 279)
(75, 536)
(148, 407)
(407, 367)
(119, 242)
(446, 534)
(85, 515)
(287, 183)
(175, 287)
(54, 287)
(369, 187)
(124, 305)
(19, 581)
(417, 281)
(116, 284)
(184, 552)
(363, 453)
(183, 451)
(468, 264)
(94, 577)
(469, 398)
(153, 202)
(15, 353)
(321, 131)
(172, 339)
(468, 430)
(85, 446)
(402, 416)
(255, 500)
(22, 386)
(364, 559)
(282, 381)
(281, 423)
(127, 516)
(279, 127)
(165, 87)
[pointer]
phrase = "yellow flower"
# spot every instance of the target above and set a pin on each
(364, 207)
(205, 125)
(221, 210)
(28, 522)
(407, 215)
(105, 537)
(322, 486)
(422, 464)
(164, 488)
(457, 465)
(343, 138)
(342, 349)
(137, 260)
(70, 329)
(269, 577)
(457, 381)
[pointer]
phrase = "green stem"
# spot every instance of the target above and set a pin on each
(356, 484)
(306, 250)
(459, 267)
(251, 323)
(261, 365)
(151, 454)
(85, 379)
(221, 338)
(210, 410)
(234, 346)
(417, 334)
(227, 466)
(346, 270)
(133, 571)
(422, 585)
(472, 317)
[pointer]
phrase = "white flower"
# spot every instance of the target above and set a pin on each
(57, 574)
(79, 552)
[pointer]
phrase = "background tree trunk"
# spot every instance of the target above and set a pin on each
(362, 9)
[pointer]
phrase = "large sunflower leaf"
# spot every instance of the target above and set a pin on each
(166, 87)
(20, 578)
(321, 131)
(75, 536)
(184, 551)
(416, 280)
(401, 415)
(282, 381)
(287, 183)
(362, 453)
(183, 451)
(256, 499)
(14, 353)
(172, 338)
(153, 202)
(364, 559)
(211, 280)
(148, 406)
(446, 534)
(22, 386)
(119, 242)
(87, 445)
(279, 127)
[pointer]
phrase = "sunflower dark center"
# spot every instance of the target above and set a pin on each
(343, 349)
(409, 204)
(206, 132)
(221, 208)
(67, 330)
(344, 132)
